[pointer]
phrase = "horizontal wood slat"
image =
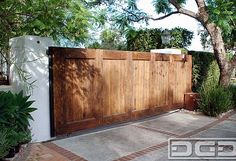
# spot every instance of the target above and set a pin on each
(93, 87)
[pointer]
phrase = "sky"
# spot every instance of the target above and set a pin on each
(176, 20)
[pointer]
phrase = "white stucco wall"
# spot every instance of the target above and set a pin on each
(29, 54)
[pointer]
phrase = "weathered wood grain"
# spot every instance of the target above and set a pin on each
(93, 87)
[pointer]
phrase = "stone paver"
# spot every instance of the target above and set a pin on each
(141, 141)
(111, 144)
(233, 117)
(225, 129)
(179, 123)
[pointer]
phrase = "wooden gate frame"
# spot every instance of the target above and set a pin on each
(135, 55)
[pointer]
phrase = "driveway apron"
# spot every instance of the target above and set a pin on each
(143, 140)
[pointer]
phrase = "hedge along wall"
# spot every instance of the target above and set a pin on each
(201, 63)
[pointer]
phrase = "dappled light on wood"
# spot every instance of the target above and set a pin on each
(99, 87)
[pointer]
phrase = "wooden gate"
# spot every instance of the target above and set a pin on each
(91, 87)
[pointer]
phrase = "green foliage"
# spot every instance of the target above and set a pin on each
(220, 12)
(181, 38)
(110, 39)
(214, 99)
(232, 89)
(67, 22)
(147, 39)
(15, 110)
(4, 142)
(223, 13)
(201, 63)
(10, 138)
(162, 6)
(95, 45)
(58, 19)
(143, 40)
(212, 77)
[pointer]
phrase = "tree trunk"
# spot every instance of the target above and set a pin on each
(226, 67)
(225, 76)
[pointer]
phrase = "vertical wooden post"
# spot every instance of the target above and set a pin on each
(171, 81)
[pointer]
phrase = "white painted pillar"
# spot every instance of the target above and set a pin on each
(29, 55)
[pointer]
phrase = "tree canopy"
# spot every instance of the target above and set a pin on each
(109, 38)
(59, 19)
(147, 39)
(140, 39)
(218, 18)
(66, 22)
(125, 12)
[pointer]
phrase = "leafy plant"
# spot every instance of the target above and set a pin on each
(15, 110)
(24, 137)
(201, 65)
(23, 110)
(112, 39)
(195, 76)
(12, 137)
(215, 99)
(147, 39)
(4, 143)
(232, 89)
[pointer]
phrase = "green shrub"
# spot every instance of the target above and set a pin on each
(15, 112)
(24, 137)
(232, 89)
(201, 64)
(214, 99)
(4, 143)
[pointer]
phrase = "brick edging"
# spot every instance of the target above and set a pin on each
(163, 144)
(63, 152)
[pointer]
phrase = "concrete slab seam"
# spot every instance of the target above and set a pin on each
(231, 120)
(155, 130)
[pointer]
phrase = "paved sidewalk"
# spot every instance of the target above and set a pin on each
(140, 141)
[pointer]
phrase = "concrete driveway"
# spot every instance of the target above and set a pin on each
(146, 140)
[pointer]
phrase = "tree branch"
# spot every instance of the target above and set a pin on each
(197, 3)
(188, 13)
(200, 3)
(162, 17)
(183, 10)
(154, 19)
(150, 18)
(202, 11)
